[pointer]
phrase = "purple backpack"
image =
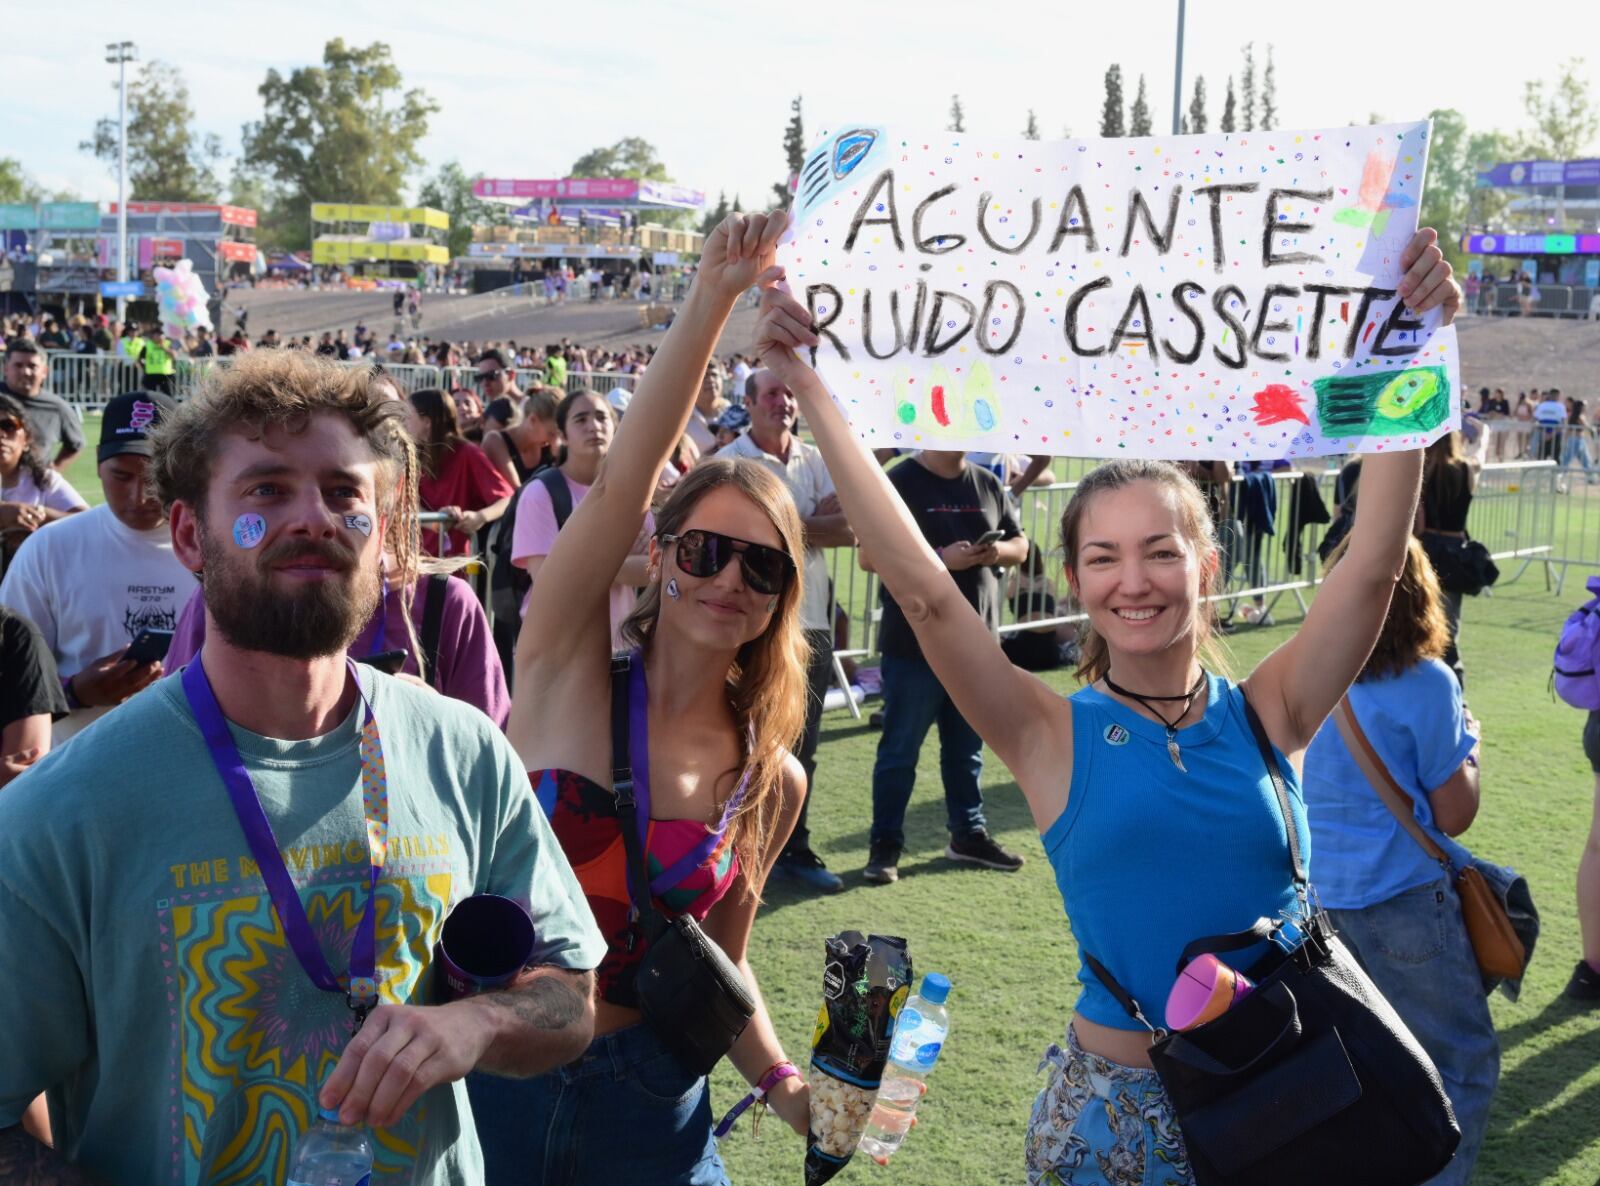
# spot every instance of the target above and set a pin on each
(1578, 654)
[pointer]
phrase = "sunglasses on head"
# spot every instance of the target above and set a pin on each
(10, 425)
(706, 553)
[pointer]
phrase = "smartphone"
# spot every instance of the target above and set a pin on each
(988, 537)
(388, 662)
(149, 646)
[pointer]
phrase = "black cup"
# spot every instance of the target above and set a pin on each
(485, 942)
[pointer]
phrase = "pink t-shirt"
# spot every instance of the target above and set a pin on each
(535, 534)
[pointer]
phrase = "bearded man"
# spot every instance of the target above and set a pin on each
(214, 885)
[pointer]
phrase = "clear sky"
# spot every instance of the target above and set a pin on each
(525, 89)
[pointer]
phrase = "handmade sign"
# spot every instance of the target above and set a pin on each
(1184, 297)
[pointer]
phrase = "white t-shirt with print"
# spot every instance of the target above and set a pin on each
(91, 584)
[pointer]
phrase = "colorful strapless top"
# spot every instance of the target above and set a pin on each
(583, 816)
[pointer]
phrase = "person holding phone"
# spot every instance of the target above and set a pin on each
(963, 513)
(94, 581)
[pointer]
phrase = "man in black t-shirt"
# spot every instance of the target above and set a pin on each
(30, 695)
(964, 515)
(52, 423)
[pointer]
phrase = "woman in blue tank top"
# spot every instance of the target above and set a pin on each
(1147, 786)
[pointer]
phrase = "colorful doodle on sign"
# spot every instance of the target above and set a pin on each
(1170, 296)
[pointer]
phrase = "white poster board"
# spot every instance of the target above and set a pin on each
(1206, 296)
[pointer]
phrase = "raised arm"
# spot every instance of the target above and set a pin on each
(1011, 710)
(1295, 688)
(586, 557)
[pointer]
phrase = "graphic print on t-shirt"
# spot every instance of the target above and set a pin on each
(252, 1037)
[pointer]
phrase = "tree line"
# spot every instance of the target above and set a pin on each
(348, 129)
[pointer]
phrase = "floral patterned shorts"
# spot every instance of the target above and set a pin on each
(1099, 1123)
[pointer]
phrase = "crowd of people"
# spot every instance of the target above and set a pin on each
(323, 749)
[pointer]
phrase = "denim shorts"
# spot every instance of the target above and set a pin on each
(1591, 741)
(1099, 1123)
(625, 1111)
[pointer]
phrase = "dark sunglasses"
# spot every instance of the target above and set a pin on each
(485, 376)
(706, 553)
(10, 425)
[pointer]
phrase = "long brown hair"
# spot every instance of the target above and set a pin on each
(438, 410)
(285, 389)
(1194, 521)
(767, 684)
(1415, 628)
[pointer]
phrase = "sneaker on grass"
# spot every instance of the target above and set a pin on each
(980, 849)
(1584, 985)
(883, 864)
(806, 867)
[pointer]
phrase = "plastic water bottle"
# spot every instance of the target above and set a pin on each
(331, 1154)
(918, 1038)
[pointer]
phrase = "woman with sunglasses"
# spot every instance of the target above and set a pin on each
(717, 631)
(31, 493)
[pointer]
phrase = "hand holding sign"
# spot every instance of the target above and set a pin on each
(740, 253)
(1252, 295)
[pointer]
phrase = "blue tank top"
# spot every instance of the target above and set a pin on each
(1149, 858)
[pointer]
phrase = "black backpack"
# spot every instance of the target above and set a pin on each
(508, 584)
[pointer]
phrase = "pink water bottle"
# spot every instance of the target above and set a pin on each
(1205, 990)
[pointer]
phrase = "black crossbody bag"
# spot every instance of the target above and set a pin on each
(1312, 1079)
(689, 991)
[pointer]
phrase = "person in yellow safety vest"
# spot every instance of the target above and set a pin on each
(153, 354)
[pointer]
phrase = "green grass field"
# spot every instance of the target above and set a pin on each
(1003, 938)
(1004, 942)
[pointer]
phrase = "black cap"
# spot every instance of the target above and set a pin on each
(127, 420)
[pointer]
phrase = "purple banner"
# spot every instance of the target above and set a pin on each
(1532, 244)
(1531, 173)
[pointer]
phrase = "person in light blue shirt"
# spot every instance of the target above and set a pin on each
(1391, 903)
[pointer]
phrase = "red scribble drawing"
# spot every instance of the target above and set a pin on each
(1277, 403)
(939, 413)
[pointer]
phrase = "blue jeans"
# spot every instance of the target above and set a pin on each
(1415, 948)
(913, 701)
(625, 1111)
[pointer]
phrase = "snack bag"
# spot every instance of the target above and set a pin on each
(865, 980)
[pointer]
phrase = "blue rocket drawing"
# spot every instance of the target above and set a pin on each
(830, 163)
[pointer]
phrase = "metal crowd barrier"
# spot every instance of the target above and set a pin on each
(1555, 300)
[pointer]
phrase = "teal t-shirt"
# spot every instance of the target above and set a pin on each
(146, 980)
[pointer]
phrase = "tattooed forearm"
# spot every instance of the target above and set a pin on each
(545, 1021)
(551, 1002)
(25, 1161)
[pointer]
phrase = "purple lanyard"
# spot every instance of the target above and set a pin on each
(639, 755)
(361, 991)
(382, 636)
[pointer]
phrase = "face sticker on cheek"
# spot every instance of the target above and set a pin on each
(249, 530)
(361, 523)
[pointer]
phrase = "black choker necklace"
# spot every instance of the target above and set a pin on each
(1172, 726)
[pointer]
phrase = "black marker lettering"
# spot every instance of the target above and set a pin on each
(894, 318)
(1139, 210)
(891, 217)
(820, 328)
(1184, 289)
(989, 291)
(1263, 326)
(1075, 201)
(938, 244)
(1274, 227)
(983, 230)
(1136, 304)
(1071, 319)
(1400, 321)
(1368, 295)
(1215, 192)
(1219, 302)
(1323, 291)
(932, 346)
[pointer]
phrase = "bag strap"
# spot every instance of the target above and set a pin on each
(433, 626)
(1378, 777)
(1281, 790)
(638, 875)
(560, 494)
